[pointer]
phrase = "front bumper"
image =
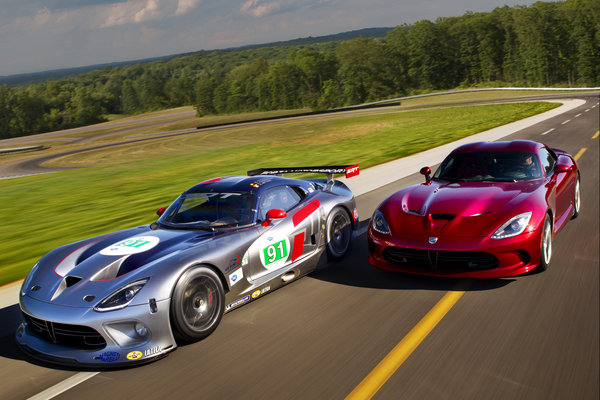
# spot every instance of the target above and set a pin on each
(459, 257)
(84, 337)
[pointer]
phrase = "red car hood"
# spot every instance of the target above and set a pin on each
(456, 209)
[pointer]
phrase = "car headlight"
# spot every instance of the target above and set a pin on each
(379, 224)
(513, 227)
(27, 281)
(122, 297)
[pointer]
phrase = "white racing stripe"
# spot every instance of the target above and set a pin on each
(63, 386)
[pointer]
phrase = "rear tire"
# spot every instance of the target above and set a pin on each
(545, 244)
(339, 234)
(576, 199)
(197, 304)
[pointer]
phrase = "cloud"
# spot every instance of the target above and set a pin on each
(253, 8)
(184, 6)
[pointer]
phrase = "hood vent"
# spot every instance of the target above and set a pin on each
(67, 282)
(447, 217)
(71, 280)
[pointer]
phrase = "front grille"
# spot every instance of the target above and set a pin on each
(433, 259)
(77, 336)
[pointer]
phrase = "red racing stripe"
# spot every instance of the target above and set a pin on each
(305, 211)
(298, 246)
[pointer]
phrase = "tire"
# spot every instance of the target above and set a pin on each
(545, 244)
(576, 199)
(197, 304)
(339, 234)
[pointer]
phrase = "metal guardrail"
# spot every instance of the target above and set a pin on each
(17, 149)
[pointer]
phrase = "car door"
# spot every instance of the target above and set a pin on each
(285, 240)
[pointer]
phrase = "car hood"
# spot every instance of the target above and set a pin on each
(457, 209)
(97, 267)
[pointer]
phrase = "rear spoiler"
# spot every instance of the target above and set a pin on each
(349, 170)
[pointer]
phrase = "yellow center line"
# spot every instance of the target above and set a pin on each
(596, 135)
(580, 153)
(386, 367)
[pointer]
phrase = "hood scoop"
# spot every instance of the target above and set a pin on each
(110, 271)
(65, 283)
(446, 217)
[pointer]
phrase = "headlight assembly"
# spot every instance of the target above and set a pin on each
(513, 227)
(379, 224)
(122, 297)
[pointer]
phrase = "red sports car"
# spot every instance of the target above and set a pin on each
(490, 210)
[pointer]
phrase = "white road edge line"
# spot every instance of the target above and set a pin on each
(565, 122)
(578, 115)
(63, 386)
(548, 131)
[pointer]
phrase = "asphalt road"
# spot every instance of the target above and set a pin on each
(529, 337)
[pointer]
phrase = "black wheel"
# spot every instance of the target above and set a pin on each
(339, 234)
(197, 304)
(576, 199)
(546, 244)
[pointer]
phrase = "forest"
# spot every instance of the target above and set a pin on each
(546, 44)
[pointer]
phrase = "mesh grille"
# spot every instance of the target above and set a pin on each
(77, 336)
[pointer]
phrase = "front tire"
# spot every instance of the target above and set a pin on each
(546, 244)
(339, 234)
(576, 199)
(197, 304)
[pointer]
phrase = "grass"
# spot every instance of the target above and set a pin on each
(42, 212)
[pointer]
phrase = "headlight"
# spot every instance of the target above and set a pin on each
(379, 224)
(513, 227)
(27, 281)
(122, 297)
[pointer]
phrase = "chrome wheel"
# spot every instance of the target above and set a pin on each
(576, 199)
(339, 233)
(197, 304)
(546, 244)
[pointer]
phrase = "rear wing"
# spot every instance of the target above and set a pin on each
(349, 170)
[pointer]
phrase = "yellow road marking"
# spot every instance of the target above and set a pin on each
(596, 135)
(386, 367)
(580, 153)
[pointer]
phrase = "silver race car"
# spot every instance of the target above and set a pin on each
(130, 296)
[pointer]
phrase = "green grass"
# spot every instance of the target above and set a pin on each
(42, 212)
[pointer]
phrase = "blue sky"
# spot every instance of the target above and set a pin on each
(38, 35)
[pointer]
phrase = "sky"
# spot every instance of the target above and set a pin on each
(40, 35)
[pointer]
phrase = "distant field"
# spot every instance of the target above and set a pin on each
(128, 183)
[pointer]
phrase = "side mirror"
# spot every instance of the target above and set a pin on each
(161, 211)
(559, 168)
(426, 171)
(275, 213)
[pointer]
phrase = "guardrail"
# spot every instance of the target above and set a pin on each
(27, 148)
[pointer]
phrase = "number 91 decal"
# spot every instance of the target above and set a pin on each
(274, 252)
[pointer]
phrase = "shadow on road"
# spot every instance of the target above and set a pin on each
(355, 270)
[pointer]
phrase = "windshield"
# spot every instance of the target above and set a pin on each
(500, 166)
(210, 210)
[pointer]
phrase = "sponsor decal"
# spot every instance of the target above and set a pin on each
(109, 356)
(236, 276)
(245, 259)
(152, 351)
(134, 355)
(298, 246)
(233, 263)
(237, 303)
(132, 245)
(352, 171)
(275, 253)
(258, 292)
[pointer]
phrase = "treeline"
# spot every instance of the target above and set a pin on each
(545, 44)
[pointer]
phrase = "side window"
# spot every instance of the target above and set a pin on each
(282, 197)
(548, 160)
